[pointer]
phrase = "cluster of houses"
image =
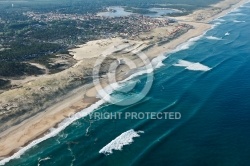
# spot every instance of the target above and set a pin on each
(128, 26)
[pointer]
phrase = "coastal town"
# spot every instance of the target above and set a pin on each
(127, 26)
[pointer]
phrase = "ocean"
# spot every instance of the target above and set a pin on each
(206, 80)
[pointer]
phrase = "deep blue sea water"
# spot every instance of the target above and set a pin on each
(215, 106)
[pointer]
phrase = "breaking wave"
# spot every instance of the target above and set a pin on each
(213, 38)
(217, 23)
(125, 138)
(192, 66)
(158, 61)
(186, 45)
(235, 10)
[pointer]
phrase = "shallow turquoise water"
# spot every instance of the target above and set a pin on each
(214, 104)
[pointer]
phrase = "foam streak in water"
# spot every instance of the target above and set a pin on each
(45, 159)
(125, 138)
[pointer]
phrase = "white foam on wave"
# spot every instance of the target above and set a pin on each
(213, 38)
(144, 70)
(106, 92)
(220, 20)
(233, 12)
(186, 45)
(159, 65)
(217, 23)
(125, 138)
(66, 122)
(238, 21)
(158, 61)
(236, 10)
(148, 69)
(192, 66)
(236, 14)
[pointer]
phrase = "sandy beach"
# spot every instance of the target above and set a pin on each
(14, 138)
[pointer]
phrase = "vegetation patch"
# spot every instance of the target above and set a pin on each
(4, 83)
(16, 69)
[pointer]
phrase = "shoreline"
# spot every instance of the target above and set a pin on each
(40, 124)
